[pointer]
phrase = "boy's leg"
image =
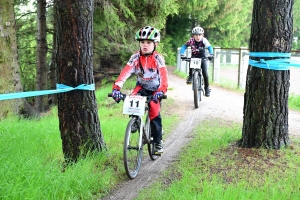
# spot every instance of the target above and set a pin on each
(156, 126)
(189, 78)
(205, 77)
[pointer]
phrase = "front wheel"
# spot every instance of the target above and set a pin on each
(132, 151)
(197, 88)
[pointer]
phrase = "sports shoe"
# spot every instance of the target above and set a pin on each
(158, 148)
(207, 91)
(189, 80)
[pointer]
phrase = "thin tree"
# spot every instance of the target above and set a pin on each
(52, 66)
(41, 102)
(266, 98)
(10, 80)
(77, 110)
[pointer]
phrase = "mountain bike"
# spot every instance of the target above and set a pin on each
(138, 132)
(197, 77)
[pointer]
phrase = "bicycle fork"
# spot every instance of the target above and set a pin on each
(141, 133)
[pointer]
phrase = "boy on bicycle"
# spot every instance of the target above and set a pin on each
(198, 43)
(152, 79)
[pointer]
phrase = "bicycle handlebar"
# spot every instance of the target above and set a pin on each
(148, 97)
(189, 59)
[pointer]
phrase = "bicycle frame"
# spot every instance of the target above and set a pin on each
(197, 79)
(195, 64)
(137, 108)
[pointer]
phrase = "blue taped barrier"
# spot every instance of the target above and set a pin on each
(59, 89)
(284, 62)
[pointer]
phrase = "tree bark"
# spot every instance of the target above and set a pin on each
(77, 110)
(10, 80)
(266, 97)
(52, 69)
(41, 102)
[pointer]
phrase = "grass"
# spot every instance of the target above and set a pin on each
(213, 167)
(31, 158)
(210, 167)
(294, 102)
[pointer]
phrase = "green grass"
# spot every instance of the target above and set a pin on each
(213, 167)
(294, 102)
(210, 167)
(31, 158)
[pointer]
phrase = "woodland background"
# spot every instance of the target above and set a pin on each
(227, 24)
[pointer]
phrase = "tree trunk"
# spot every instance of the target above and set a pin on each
(41, 102)
(266, 97)
(52, 69)
(77, 110)
(10, 80)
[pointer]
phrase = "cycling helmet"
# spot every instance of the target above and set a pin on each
(198, 30)
(148, 33)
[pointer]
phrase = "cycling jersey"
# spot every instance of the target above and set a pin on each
(151, 72)
(197, 48)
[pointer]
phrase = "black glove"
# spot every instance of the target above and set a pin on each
(211, 57)
(182, 57)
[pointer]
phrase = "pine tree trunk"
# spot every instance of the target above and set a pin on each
(52, 69)
(41, 102)
(77, 110)
(10, 80)
(266, 98)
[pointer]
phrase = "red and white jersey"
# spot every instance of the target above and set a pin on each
(151, 72)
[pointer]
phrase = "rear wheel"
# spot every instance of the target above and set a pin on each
(197, 88)
(132, 152)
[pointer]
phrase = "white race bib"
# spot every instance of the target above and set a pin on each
(195, 63)
(134, 105)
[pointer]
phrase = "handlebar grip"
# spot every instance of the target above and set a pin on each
(109, 95)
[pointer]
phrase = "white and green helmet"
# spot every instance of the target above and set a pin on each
(198, 30)
(148, 33)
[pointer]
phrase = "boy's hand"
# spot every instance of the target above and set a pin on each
(158, 95)
(117, 95)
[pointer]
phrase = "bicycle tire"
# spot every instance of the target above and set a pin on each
(201, 85)
(150, 144)
(196, 86)
(132, 152)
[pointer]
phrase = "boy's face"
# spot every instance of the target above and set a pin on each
(198, 37)
(147, 46)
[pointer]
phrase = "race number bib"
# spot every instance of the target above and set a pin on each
(134, 105)
(195, 63)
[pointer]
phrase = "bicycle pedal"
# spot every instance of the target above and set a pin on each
(157, 154)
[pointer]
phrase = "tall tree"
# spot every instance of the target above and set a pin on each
(52, 68)
(77, 110)
(10, 80)
(266, 97)
(41, 102)
(229, 25)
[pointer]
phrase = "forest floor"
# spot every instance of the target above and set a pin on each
(222, 104)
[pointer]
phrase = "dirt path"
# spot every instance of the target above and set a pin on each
(221, 104)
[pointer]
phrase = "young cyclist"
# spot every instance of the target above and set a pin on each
(198, 43)
(152, 78)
